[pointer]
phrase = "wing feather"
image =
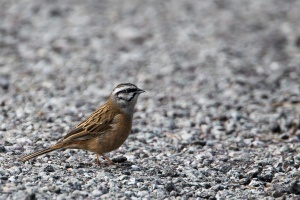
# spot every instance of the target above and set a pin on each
(96, 124)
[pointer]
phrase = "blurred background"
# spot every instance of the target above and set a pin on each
(62, 55)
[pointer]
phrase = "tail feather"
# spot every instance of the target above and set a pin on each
(38, 153)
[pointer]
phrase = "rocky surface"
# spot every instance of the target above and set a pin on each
(220, 119)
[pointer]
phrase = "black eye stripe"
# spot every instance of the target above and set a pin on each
(131, 90)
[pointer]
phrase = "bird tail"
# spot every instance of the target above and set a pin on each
(38, 153)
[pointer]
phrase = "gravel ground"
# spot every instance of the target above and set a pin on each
(220, 119)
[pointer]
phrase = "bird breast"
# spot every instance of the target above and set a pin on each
(112, 140)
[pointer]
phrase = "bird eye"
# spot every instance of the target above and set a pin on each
(128, 90)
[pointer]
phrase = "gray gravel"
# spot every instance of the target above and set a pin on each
(220, 119)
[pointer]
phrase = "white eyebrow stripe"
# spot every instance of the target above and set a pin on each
(116, 90)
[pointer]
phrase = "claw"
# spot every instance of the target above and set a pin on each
(110, 162)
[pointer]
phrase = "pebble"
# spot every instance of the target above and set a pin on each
(119, 159)
(254, 172)
(31, 197)
(96, 193)
(4, 178)
(295, 187)
(12, 179)
(128, 193)
(49, 168)
(277, 194)
(275, 127)
(54, 189)
(4, 81)
(284, 136)
(170, 186)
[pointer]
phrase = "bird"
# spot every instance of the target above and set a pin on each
(103, 131)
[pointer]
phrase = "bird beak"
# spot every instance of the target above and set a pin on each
(139, 91)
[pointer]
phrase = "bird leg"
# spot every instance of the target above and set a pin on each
(109, 160)
(98, 161)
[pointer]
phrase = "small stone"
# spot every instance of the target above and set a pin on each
(244, 181)
(275, 127)
(49, 168)
(142, 193)
(290, 123)
(159, 193)
(83, 193)
(126, 172)
(205, 194)
(295, 187)
(135, 168)
(123, 177)
(199, 143)
(236, 116)
(131, 35)
(54, 189)
(4, 81)
(297, 42)
(128, 193)
(132, 181)
(12, 179)
(173, 193)
(96, 193)
(30, 197)
(2, 149)
(206, 185)
(170, 186)
(3, 127)
(297, 159)
(80, 165)
(6, 189)
(21, 187)
(266, 174)
(172, 124)
(218, 187)
(279, 166)
(284, 136)
(6, 143)
(254, 172)
(55, 12)
(144, 188)
(3, 178)
(61, 196)
(277, 194)
(230, 131)
(257, 143)
(255, 183)
(119, 159)
(223, 118)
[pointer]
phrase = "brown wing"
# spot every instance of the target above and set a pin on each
(96, 124)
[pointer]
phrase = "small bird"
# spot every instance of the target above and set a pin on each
(106, 129)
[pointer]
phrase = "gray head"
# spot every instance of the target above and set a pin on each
(126, 95)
